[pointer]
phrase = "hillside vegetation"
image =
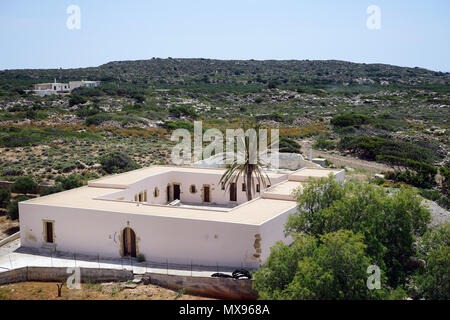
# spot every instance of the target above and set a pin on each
(394, 115)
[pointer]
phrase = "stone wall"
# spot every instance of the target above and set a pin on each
(53, 274)
(223, 288)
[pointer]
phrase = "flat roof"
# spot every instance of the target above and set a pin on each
(283, 190)
(123, 180)
(254, 212)
(273, 201)
(304, 173)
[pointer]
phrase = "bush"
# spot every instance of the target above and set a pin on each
(98, 119)
(433, 281)
(432, 195)
(5, 196)
(12, 172)
(288, 145)
(140, 257)
(50, 190)
(179, 111)
(24, 185)
(423, 175)
(330, 267)
(87, 92)
(370, 147)
(324, 144)
(13, 208)
(349, 119)
(173, 125)
(70, 182)
(388, 222)
(117, 162)
(76, 99)
(258, 100)
(86, 111)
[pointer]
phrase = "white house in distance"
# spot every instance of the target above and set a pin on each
(181, 214)
(43, 89)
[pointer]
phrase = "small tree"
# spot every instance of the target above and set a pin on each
(25, 185)
(13, 207)
(70, 182)
(5, 196)
(331, 267)
(433, 281)
(388, 221)
(117, 162)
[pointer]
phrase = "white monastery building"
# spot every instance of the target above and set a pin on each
(43, 89)
(181, 214)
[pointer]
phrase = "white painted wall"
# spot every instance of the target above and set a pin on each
(185, 179)
(180, 240)
(273, 231)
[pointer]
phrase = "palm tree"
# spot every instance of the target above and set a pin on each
(244, 166)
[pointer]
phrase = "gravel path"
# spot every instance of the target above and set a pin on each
(346, 161)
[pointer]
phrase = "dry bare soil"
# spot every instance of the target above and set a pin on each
(7, 226)
(105, 291)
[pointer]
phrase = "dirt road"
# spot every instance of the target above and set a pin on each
(346, 161)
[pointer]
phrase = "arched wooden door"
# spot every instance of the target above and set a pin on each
(129, 242)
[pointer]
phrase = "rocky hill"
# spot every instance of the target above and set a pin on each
(283, 72)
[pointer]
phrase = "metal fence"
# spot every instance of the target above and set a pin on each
(22, 257)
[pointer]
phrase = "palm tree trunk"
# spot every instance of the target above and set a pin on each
(249, 182)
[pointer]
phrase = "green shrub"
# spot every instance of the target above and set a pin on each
(324, 144)
(183, 110)
(50, 190)
(117, 162)
(87, 92)
(332, 267)
(288, 145)
(389, 222)
(12, 172)
(13, 208)
(70, 182)
(349, 119)
(98, 119)
(433, 281)
(418, 174)
(76, 99)
(259, 100)
(275, 116)
(173, 125)
(140, 257)
(86, 111)
(369, 147)
(24, 185)
(432, 195)
(5, 196)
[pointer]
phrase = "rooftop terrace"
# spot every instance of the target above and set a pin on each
(272, 202)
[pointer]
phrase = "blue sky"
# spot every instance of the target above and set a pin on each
(34, 34)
